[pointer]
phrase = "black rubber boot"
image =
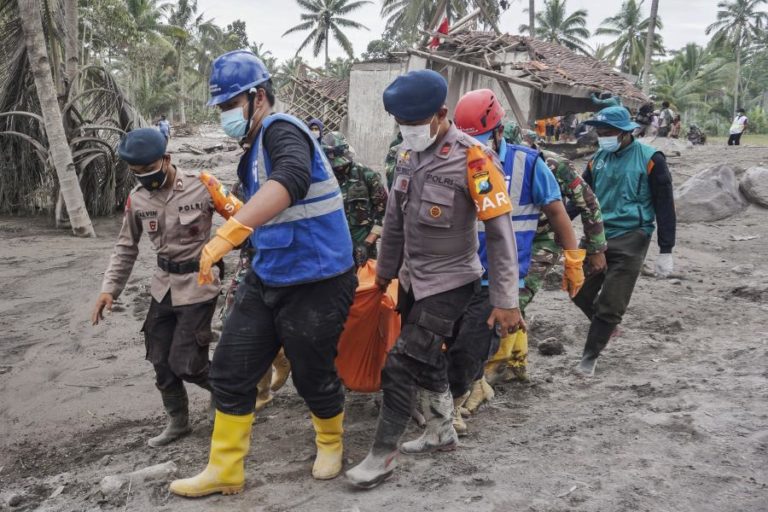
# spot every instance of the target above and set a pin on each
(177, 407)
(381, 460)
(599, 334)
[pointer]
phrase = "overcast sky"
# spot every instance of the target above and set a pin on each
(266, 20)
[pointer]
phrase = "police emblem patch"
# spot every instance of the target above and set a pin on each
(435, 212)
(482, 183)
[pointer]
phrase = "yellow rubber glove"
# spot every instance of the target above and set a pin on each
(228, 236)
(573, 277)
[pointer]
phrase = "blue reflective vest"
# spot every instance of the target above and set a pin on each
(519, 167)
(620, 181)
(310, 240)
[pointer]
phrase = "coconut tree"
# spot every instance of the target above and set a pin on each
(739, 24)
(557, 26)
(649, 46)
(323, 18)
(630, 30)
(184, 24)
(58, 146)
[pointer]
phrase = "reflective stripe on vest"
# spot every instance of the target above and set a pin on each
(322, 197)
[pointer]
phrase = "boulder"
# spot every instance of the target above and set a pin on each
(712, 194)
(754, 186)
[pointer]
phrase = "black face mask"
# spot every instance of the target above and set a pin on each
(153, 180)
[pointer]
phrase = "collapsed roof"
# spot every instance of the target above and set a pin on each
(323, 97)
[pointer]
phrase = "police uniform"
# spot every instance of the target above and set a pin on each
(177, 329)
(177, 219)
(430, 243)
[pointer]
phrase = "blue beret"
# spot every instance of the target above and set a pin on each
(142, 146)
(416, 95)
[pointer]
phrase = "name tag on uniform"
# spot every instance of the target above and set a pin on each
(402, 181)
(150, 225)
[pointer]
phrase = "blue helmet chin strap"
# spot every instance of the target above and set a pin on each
(251, 95)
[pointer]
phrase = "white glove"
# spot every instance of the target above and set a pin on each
(665, 265)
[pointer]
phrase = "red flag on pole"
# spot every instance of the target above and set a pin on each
(442, 29)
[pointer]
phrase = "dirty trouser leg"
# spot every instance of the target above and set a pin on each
(625, 256)
(309, 319)
(473, 345)
(158, 329)
(188, 357)
(585, 299)
(417, 358)
(544, 255)
(247, 347)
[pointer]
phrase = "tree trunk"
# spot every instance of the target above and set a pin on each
(182, 89)
(71, 53)
(532, 17)
(32, 24)
(649, 48)
(738, 76)
(327, 60)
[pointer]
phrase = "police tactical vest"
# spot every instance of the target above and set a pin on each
(621, 184)
(309, 241)
(519, 168)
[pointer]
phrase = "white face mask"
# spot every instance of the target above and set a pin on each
(418, 137)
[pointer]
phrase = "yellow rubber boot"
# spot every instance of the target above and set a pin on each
(263, 392)
(495, 367)
(282, 370)
(329, 446)
(225, 472)
(481, 393)
(518, 359)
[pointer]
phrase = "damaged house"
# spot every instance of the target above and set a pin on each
(532, 78)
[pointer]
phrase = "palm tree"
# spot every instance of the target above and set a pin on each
(556, 26)
(61, 154)
(739, 23)
(649, 44)
(631, 32)
(184, 24)
(323, 18)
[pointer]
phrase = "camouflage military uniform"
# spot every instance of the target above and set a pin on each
(365, 201)
(365, 198)
(545, 253)
(391, 161)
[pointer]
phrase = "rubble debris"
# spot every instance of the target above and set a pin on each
(112, 484)
(551, 347)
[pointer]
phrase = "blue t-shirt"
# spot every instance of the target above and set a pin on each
(546, 190)
(164, 127)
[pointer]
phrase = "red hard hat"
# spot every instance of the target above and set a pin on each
(478, 112)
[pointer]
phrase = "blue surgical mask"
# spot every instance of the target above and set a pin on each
(610, 144)
(234, 123)
(153, 180)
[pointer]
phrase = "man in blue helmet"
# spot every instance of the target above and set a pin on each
(444, 182)
(634, 187)
(301, 283)
(175, 209)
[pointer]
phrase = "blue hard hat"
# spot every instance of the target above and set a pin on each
(142, 146)
(233, 73)
(416, 95)
(616, 117)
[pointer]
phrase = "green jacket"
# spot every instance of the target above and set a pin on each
(620, 181)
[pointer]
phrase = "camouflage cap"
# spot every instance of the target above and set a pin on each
(336, 148)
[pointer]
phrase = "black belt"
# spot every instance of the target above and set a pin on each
(178, 267)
